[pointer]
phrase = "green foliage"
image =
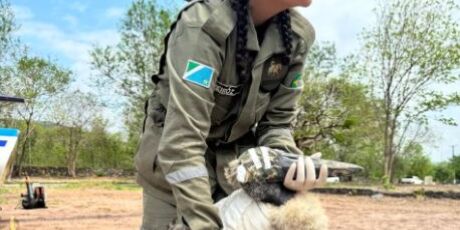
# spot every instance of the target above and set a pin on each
(7, 46)
(413, 163)
(118, 184)
(419, 193)
(443, 173)
(413, 46)
(104, 150)
(455, 166)
(58, 126)
(47, 149)
(99, 149)
(128, 66)
(36, 80)
(387, 183)
(338, 117)
(7, 27)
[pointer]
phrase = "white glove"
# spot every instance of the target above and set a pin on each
(301, 182)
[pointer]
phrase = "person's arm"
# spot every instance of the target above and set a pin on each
(193, 63)
(274, 129)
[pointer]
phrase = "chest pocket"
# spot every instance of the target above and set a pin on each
(273, 74)
(226, 99)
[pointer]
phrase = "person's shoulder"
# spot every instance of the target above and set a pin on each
(302, 27)
(215, 17)
(198, 12)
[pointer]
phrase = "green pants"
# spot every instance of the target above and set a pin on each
(157, 213)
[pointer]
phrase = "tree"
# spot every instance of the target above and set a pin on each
(74, 112)
(414, 47)
(128, 66)
(7, 41)
(455, 167)
(36, 80)
(414, 162)
(337, 116)
(102, 149)
(7, 26)
(443, 173)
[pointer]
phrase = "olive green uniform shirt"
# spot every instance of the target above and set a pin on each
(198, 112)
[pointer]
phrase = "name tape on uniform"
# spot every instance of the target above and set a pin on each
(228, 90)
(199, 74)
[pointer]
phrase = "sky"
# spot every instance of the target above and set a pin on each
(66, 31)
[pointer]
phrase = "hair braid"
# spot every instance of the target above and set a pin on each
(243, 56)
(283, 20)
(241, 8)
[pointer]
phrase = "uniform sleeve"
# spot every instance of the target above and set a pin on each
(274, 130)
(193, 62)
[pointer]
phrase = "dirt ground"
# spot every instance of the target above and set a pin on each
(117, 204)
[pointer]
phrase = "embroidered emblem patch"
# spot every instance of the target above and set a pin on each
(198, 73)
(228, 90)
(297, 81)
(274, 69)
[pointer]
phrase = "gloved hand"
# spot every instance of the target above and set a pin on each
(301, 175)
(263, 174)
(262, 164)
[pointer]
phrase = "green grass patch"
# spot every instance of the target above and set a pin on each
(3, 192)
(8, 189)
(120, 185)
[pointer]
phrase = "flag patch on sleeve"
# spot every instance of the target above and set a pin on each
(297, 81)
(198, 73)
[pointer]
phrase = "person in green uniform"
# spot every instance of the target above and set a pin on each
(229, 80)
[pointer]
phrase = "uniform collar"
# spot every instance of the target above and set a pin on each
(272, 44)
(223, 20)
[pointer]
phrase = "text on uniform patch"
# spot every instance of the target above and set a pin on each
(228, 90)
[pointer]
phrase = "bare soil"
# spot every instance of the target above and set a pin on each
(105, 204)
(359, 212)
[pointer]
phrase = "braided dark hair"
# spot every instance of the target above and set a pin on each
(243, 56)
(241, 8)
(283, 21)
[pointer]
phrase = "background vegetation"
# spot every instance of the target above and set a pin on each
(368, 108)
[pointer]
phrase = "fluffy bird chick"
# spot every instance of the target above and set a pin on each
(259, 190)
(262, 202)
(240, 212)
(261, 171)
(303, 211)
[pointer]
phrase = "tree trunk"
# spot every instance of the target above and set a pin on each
(389, 150)
(23, 151)
(75, 136)
(391, 116)
(386, 146)
(71, 165)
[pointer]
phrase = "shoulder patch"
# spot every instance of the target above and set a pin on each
(297, 81)
(198, 73)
